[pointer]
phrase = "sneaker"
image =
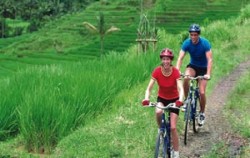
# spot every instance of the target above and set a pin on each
(175, 154)
(201, 119)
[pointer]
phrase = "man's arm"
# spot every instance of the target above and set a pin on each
(181, 90)
(210, 63)
(180, 58)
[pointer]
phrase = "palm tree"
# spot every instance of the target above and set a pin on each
(100, 29)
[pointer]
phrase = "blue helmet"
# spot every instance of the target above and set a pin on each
(195, 28)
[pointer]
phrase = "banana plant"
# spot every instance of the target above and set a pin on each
(100, 29)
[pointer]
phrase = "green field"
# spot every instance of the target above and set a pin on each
(57, 89)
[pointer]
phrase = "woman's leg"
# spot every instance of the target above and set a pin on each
(174, 134)
(158, 113)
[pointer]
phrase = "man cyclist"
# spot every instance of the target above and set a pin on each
(170, 89)
(200, 64)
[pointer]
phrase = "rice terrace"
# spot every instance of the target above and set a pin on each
(73, 74)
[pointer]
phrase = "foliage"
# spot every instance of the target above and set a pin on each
(69, 96)
(85, 94)
(245, 14)
(101, 29)
(237, 104)
(219, 30)
(38, 12)
(127, 125)
(4, 31)
(8, 113)
(239, 98)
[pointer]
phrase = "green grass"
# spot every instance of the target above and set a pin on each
(237, 113)
(16, 23)
(132, 128)
(68, 93)
(52, 101)
(72, 38)
(66, 38)
(127, 127)
(238, 105)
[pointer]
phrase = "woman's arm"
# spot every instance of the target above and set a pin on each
(149, 88)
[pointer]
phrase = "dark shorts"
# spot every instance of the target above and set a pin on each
(199, 71)
(166, 102)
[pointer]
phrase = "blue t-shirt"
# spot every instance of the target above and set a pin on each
(197, 51)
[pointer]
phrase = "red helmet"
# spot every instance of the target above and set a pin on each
(167, 53)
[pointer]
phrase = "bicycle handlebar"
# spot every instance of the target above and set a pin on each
(169, 106)
(193, 78)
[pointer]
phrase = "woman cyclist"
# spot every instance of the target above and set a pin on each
(170, 89)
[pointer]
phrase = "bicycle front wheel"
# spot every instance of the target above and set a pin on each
(195, 115)
(161, 146)
(187, 120)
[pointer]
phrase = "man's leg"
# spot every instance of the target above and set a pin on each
(202, 88)
(191, 72)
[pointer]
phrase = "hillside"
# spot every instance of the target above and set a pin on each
(66, 40)
(55, 100)
(67, 35)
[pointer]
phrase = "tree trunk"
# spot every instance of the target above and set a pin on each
(3, 24)
(101, 41)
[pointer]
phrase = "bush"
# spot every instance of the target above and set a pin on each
(4, 31)
(218, 31)
(18, 31)
(245, 12)
(34, 26)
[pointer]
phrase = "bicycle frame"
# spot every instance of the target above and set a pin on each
(165, 130)
(191, 106)
(193, 96)
(164, 135)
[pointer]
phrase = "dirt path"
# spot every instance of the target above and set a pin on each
(216, 127)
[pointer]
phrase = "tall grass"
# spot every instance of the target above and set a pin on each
(49, 102)
(54, 100)
(8, 112)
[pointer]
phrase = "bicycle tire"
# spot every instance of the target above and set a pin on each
(195, 116)
(161, 146)
(187, 120)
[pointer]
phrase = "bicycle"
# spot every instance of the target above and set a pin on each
(192, 106)
(163, 141)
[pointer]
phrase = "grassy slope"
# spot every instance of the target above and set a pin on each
(124, 119)
(127, 130)
(237, 104)
(66, 38)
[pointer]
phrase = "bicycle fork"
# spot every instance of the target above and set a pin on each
(165, 128)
